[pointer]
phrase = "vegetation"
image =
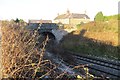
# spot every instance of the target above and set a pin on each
(79, 25)
(99, 17)
(97, 38)
(90, 46)
(112, 17)
(103, 31)
(23, 55)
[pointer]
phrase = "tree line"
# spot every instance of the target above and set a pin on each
(100, 17)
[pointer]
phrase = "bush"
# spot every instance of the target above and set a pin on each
(99, 17)
(21, 57)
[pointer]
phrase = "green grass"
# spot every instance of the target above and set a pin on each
(90, 47)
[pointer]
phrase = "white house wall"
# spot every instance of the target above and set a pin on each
(63, 21)
(72, 21)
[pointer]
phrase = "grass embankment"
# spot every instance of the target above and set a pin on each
(94, 38)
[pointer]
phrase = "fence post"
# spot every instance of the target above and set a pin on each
(0, 52)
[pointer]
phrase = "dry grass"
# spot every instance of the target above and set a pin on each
(101, 44)
(102, 31)
(21, 57)
(107, 37)
(99, 39)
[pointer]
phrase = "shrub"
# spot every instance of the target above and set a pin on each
(99, 17)
(21, 57)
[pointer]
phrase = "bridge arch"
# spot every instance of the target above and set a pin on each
(50, 35)
(50, 29)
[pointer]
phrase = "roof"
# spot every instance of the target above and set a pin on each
(40, 21)
(72, 15)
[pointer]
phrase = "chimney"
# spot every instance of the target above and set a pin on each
(68, 12)
(85, 12)
(58, 14)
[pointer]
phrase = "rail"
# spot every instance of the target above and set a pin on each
(104, 66)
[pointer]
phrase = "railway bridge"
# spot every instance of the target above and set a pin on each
(53, 30)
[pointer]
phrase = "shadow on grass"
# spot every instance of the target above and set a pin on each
(84, 45)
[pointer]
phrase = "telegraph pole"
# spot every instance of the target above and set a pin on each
(0, 52)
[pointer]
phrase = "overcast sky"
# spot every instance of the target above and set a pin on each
(48, 9)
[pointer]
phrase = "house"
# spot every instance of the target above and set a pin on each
(40, 21)
(72, 18)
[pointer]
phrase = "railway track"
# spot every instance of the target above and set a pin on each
(98, 66)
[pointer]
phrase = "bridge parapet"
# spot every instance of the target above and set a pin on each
(48, 26)
(34, 26)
